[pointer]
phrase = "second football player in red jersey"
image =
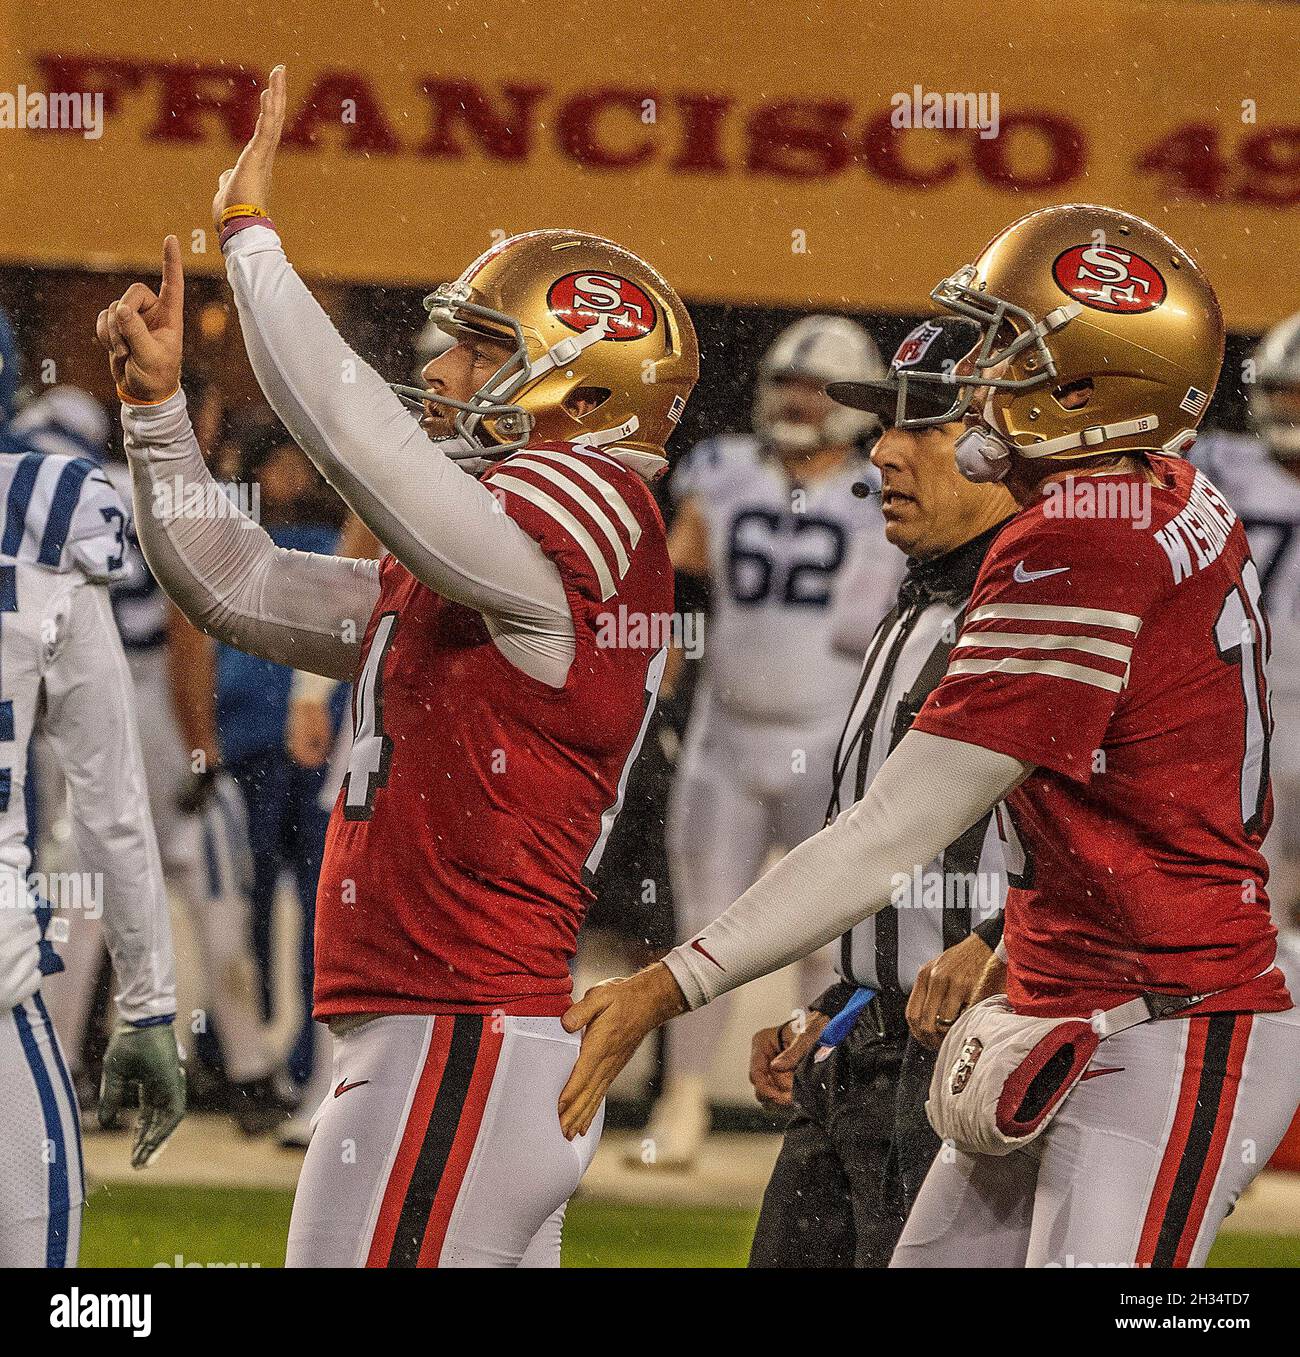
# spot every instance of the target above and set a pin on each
(505, 659)
(1108, 694)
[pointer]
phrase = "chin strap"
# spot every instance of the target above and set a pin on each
(1091, 437)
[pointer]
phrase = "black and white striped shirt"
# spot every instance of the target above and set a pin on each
(965, 887)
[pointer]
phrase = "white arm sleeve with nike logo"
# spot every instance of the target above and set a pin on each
(928, 792)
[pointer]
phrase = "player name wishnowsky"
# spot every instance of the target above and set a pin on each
(25, 110)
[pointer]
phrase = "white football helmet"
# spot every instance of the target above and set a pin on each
(1277, 373)
(823, 349)
(65, 420)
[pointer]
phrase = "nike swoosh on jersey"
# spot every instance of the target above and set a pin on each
(344, 1086)
(1023, 576)
(1104, 1069)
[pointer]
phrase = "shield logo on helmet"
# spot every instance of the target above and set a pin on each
(581, 300)
(1107, 278)
(916, 345)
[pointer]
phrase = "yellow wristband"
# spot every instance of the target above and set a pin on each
(241, 210)
(131, 400)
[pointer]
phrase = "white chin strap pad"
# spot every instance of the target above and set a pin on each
(982, 456)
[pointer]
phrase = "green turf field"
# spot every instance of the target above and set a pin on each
(141, 1226)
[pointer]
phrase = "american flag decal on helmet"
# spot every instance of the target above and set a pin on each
(676, 408)
(1194, 402)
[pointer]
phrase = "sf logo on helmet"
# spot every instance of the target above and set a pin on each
(1108, 279)
(581, 300)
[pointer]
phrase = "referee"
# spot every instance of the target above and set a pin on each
(858, 1144)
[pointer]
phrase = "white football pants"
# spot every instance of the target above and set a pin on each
(439, 1145)
(1140, 1166)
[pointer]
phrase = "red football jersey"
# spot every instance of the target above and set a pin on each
(1125, 657)
(478, 799)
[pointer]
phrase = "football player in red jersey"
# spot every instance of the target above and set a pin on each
(505, 658)
(1108, 689)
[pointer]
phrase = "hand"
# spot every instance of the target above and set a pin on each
(147, 1056)
(250, 180)
(617, 1015)
(773, 1091)
(143, 333)
(309, 732)
(775, 1053)
(950, 983)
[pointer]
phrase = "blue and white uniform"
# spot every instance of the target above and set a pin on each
(63, 672)
(205, 855)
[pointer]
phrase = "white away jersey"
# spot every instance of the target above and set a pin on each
(139, 604)
(62, 534)
(777, 556)
(1267, 500)
(61, 513)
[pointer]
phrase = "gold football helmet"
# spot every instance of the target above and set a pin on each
(582, 316)
(1076, 295)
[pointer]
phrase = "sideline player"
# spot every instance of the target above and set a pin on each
(1110, 684)
(63, 672)
(506, 657)
(766, 524)
(199, 821)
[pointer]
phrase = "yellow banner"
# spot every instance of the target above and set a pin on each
(850, 157)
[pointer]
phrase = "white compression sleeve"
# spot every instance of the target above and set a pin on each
(224, 571)
(927, 793)
(446, 528)
(90, 721)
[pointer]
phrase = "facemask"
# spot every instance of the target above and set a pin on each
(982, 456)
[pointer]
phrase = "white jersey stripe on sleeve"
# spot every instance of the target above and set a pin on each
(1028, 640)
(1055, 612)
(537, 497)
(607, 491)
(1055, 668)
(598, 515)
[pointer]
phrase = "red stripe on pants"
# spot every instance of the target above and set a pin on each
(462, 1148)
(1177, 1144)
(399, 1178)
(1218, 1143)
